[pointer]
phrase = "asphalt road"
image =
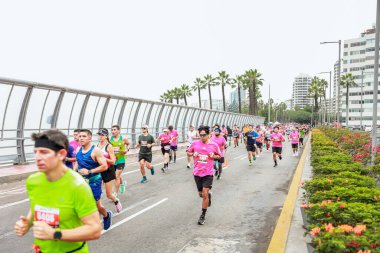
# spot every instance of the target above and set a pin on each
(162, 215)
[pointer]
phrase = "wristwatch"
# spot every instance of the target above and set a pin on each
(57, 234)
(89, 172)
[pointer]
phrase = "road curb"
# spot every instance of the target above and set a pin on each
(23, 176)
(281, 232)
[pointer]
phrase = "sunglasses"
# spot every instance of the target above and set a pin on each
(203, 135)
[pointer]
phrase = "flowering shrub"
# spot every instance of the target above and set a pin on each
(342, 201)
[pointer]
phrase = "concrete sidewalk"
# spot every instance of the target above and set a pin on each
(297, 241)
(19, 172)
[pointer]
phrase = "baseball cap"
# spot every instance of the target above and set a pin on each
(145, 126)
(165, 130)
(103, 131)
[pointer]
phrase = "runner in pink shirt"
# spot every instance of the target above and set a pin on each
(294, 137)
(173, 143)
(222, 144)
(204, 152)
(165, 138)
(277, 139)
(75, 143)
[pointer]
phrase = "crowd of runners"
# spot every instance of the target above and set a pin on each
(65, 195)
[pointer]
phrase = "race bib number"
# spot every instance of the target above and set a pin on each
(203, 158)
(116, 150)
(144, 143)
(167, 147)
(47, 214)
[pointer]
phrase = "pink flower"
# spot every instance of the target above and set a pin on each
(315, 231)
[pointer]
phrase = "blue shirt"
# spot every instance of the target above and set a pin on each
(70, 154)
(250, 137)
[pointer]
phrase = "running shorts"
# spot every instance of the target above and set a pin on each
(294, 145)
(277, 150)
(119, 166)
(301, 140)
(220, 160)
(146, 157)
(109, 174)
(96, 187)
(251, 148)
(203, 182)
(259, 144)
(174, 148)
(165, 148)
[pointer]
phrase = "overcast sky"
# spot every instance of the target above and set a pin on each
(142, 48)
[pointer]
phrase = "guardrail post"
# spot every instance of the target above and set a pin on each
(134, 124)
(57, 109)
(159, 119)
(83, 111)
(104, 111)
(20, 127)
(120, 119)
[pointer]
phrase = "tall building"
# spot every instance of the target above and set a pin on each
(234, 98)
(217, 104)
(358, 56)
(300, 94)
(335, 89)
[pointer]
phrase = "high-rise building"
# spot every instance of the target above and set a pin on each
(358, 56)
(300, 94)
(234, 98)
(217, 104)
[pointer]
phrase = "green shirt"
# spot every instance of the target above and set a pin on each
(144, 141)
(302, 133)
(60, 204)
(118, 148)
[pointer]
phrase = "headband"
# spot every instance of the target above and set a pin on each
(46, 143)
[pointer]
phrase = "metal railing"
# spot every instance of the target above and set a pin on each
(27, 107)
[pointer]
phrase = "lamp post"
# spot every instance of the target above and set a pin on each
(329, 114)
(339, 67)
(375, 84)
(269, 106)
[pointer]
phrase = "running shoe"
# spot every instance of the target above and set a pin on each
(219, 177)
(122, 187)
(202, 219)
(163, 170)
(152, 171)
(216, 172)
(143, 180)
(188, 166)
(275, 164)
(250, 163)
(254, 158)
(209, 198)
(107, 221)
(280, 157)
(118, 206)
(258, 156)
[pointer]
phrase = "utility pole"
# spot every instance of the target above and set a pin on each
(269, 106)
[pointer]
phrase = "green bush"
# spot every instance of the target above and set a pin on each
(354, 194)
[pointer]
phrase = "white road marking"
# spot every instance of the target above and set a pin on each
(134, 171)
(14, 203)
(240, 156)
(134, 215)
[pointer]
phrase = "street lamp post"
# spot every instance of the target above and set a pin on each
(375, 84)
(339, 67)
(329, 114)
(269, 106)
(361, 103)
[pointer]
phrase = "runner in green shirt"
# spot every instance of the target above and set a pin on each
(120, 147)
(62, 220)
(302, 135)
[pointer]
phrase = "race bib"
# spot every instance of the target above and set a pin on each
(203, 158)
(144, 143)
(47, 214)
(167, 147)
(116, 150)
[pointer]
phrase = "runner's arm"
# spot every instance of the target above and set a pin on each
(99, 157)
(24, 224)
(111, 152)
(126, 144)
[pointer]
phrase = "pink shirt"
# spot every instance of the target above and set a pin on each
(174, 134)
(221, 142)
(261, 137)
(164, 138)
(295, 137)
(277, 139)
(75, 145)
(203, 163)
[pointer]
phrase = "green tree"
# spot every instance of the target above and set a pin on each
(224, 80)
(347, 81)
(239, 83)
(315, 93)
(253, 81)
(209, 82)
(177, 94)
(167, 97)
(324, 84)
(186, 92)
(198, 86)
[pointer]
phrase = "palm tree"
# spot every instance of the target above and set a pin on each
(209, 82)
(324, 84)
(315, 92)
(252, 82)
(167, 97)
(186, 92)
(198, 86)
(177, 94)
(347, 81)
(239, 81)
(224, 80)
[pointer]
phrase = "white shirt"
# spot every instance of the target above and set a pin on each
(190, 136)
